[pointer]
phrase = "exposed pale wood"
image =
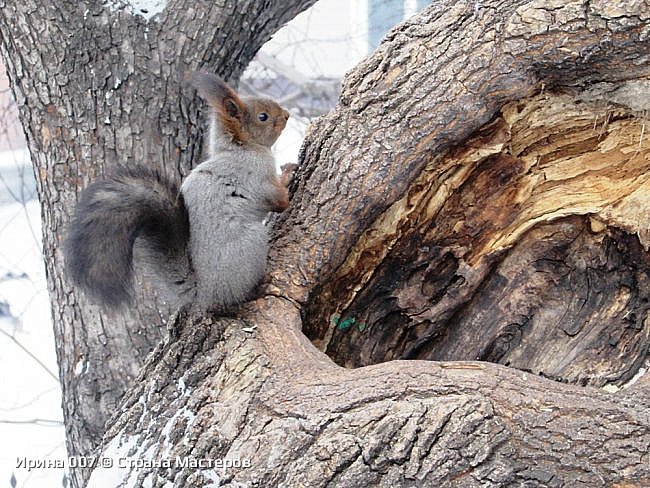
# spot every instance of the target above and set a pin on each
(467, 265)
(416, 191)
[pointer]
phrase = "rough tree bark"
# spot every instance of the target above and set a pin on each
(97, 84)
(480, 192)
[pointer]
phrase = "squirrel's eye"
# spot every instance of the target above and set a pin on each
(263, 116)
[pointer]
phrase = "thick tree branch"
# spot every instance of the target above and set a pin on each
(406, 230)
(296, 420)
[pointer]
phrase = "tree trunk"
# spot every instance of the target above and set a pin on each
(480, 192)
(98, 84)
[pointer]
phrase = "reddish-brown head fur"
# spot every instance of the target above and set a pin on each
(255, 120)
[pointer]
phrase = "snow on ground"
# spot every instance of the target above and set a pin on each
(31, 421)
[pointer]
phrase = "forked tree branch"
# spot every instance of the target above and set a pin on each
(270, 398)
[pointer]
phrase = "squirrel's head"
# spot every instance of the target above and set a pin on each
(257, 120)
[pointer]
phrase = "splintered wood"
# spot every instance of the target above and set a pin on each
(527, 245)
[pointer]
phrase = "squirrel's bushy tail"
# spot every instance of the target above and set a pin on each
(133, 203)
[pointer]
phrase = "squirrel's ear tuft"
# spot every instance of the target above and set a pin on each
(224, 100)
(210, 87)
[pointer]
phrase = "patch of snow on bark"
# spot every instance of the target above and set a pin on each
(166, 430)
(144, 8)
(215, 481)
(105, 476)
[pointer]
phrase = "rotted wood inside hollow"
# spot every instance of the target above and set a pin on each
(528, 246)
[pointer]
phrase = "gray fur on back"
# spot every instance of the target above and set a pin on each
(227, 198)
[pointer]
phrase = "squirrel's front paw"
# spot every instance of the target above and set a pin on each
(287, 172)
(288, 168)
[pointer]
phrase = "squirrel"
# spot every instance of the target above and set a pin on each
(206, 243)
